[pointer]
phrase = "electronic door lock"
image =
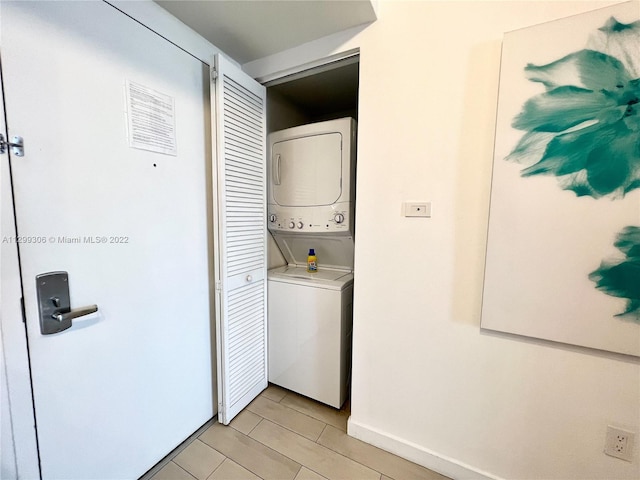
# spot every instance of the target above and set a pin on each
(54, 304)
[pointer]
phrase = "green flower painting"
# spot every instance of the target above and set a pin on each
(585, 127)
(563, 243)
(621, 278)
(585, 130)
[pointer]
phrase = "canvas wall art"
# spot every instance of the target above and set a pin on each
(563, 252)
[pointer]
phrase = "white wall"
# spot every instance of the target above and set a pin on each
(281, 113)
(427, 383)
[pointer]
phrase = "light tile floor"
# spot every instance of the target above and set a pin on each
(284, 436)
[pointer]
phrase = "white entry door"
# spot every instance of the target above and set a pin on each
(239, 117)
(121, 387)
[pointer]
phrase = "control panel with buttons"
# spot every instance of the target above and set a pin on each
(314, 220)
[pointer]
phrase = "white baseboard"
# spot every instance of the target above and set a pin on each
(415, 453)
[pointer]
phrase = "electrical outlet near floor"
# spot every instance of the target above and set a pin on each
(619, 443)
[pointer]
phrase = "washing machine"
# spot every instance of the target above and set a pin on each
(310, 202)
(310, 325)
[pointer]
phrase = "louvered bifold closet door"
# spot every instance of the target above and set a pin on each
(240, 238)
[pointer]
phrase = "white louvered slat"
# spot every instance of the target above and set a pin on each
(241, 236)
(245, 343)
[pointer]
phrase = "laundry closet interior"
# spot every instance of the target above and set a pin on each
(311, 163)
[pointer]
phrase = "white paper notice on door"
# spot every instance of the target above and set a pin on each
(151, 119)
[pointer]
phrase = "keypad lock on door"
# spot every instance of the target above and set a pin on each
(54, 303)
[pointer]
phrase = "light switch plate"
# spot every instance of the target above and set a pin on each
(417, 209)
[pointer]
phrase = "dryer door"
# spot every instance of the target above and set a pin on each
(307, 171)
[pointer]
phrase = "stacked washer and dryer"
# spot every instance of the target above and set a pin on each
(311, 204)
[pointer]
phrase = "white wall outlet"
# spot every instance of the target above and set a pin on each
(619, 443)
(417, 209)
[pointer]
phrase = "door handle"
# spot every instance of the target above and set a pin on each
(275, 173)
(54, 304)
(75, 313)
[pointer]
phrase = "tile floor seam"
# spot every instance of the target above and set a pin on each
(287, 456)
(283, 426)
(289, 430)
(370, 467)
(319, 444)
(312, 470)
(353, 460)
(214, 470)
(242, 465)
(265, 396)
(297, 411)
(256, 426)
(325, 427)
(237, 463)
(185, 470)
(219, 453)
(304, 413)
(258, 441)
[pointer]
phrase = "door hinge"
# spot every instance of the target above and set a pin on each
(214, 74)
(16, 144)
(218, 286)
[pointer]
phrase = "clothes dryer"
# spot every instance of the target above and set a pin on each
(311, 171)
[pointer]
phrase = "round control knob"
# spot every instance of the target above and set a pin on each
(300, 224)
(292, 225)
(272, 218)
(339, 218)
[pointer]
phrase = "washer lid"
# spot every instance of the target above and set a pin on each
(330, 279)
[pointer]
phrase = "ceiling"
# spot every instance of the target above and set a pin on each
(250, 29)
